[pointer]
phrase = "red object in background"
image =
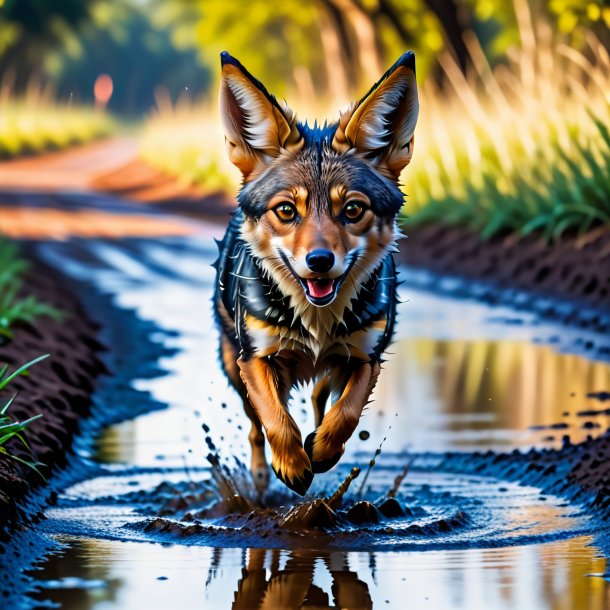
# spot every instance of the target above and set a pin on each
(102, 90)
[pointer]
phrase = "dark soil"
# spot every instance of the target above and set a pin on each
(577, 269)
(59, 388)
(579, 472)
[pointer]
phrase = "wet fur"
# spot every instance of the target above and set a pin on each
(272, 335)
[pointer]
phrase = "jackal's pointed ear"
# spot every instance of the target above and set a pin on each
(381, 125)
(257, 129)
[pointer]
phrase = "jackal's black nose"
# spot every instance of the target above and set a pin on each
(320, 261)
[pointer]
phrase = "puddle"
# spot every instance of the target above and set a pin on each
(142, 575)
(461, 375)
(430, 511)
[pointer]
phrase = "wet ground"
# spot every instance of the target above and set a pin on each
(138, 521)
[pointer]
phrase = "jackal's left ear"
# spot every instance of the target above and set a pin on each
(381, 125)
(257, 129)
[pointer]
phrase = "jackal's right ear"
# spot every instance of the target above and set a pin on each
(257, 129)
(380, 126)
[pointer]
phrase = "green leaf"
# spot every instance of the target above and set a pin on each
(22, 369)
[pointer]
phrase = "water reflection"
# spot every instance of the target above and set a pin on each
(536, 577)
(436, 394)
(293, 586)
(462, 393)
(461, 374)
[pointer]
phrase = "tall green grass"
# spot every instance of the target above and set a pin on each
(9, 428)
(521, 148)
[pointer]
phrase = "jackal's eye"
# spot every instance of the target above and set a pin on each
(285, 212)
(353, 211)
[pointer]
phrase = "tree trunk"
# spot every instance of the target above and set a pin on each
(335, 61)
(454, 22)
(369, 59)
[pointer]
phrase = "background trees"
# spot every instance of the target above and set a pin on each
(319, 49)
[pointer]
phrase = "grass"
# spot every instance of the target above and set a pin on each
(14, 307)
(35, 123)
(186, 140)
(524, 148)
(9, 428)
(520, 150)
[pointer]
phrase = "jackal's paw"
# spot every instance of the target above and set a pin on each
(322, 456)
(294, 471)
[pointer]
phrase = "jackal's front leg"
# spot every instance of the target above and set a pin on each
(289, 460)
(325, 446)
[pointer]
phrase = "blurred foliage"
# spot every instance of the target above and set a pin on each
(315, 49)
(320, 51)
(123, 40)
(577, 17)
(35, 123)
(14, 306)
(514, 92)
(517, 142)
(70, 43)
(29, 27)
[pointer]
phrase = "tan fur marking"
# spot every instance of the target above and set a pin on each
(340, 422)
(265, 337)
(284, 436)
(319, 398)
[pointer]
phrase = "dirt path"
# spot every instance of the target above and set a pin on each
(72, 169)
(62, 194)
(108, 166)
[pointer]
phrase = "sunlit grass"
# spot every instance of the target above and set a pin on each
(525, 148)
(186, 140)
(35, 122)
(519, 149)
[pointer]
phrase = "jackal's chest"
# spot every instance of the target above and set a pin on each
(313, 346)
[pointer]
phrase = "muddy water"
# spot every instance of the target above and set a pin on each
(462, 375)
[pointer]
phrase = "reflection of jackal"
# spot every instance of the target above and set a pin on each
(306, 281)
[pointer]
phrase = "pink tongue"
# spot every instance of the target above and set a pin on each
(319, 288)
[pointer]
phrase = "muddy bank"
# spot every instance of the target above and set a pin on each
(525, 271)
(59, 388)
(131, 350)
(580, 472)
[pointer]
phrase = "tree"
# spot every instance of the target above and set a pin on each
(123, 40)
(32, 27)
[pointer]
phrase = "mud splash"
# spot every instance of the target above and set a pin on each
(219, 507)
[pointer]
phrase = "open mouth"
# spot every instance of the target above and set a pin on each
(320, 291)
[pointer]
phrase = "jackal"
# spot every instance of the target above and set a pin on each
(306, 279)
